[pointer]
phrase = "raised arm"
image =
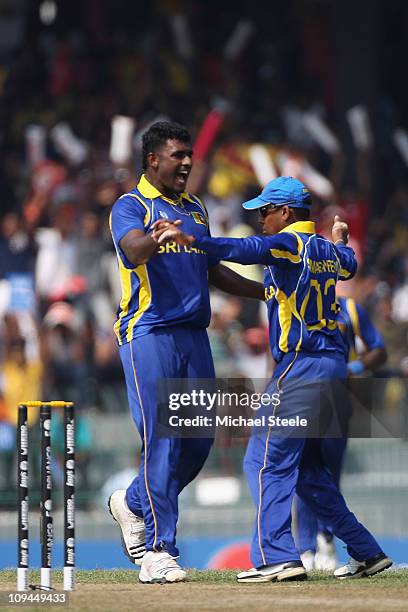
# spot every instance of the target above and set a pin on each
(348, 262)
(346, 256)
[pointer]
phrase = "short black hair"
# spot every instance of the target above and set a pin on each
(158, 134)
(301, 214)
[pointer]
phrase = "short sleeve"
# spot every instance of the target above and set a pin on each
(127, 215)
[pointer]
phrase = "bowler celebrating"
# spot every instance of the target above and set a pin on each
(161, 333)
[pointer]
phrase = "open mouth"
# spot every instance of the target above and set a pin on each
(182, 176)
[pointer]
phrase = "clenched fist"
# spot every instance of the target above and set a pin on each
(340, 231)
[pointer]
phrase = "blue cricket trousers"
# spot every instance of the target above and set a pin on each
(308, 525)
(278, 464)
(167, 464)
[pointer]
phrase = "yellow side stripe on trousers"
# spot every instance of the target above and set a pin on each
(282, 376)
(260, 496)
(145, 450)
(264, 462)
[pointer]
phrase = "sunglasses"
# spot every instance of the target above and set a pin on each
(265, 210)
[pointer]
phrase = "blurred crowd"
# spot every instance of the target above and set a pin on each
(58, 279)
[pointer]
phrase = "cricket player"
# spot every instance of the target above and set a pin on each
(301, 272)
(315, 539)
(161, 333)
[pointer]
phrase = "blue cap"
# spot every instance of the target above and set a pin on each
(282, 190)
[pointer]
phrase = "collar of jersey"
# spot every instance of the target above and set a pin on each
(304, 227)
(149, 191)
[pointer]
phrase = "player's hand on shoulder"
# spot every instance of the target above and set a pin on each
(340, 231)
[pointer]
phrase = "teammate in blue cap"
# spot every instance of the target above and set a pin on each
(301, 272)
(284, 190)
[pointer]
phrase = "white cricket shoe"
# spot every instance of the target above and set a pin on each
(160, 567)
(308, 560)
(325, 558)
(360, 569)
(131, 526)
(291, 570)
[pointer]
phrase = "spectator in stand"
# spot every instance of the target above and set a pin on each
(400, 298)
(64, 353)
(395, 334)
(56, 256)
(90, 264)
(224, 333)
(253, 360)
(17, 261)
(21, 379)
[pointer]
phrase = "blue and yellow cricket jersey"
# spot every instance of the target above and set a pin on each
(172, 287)
(354, 322)
(301, 271)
